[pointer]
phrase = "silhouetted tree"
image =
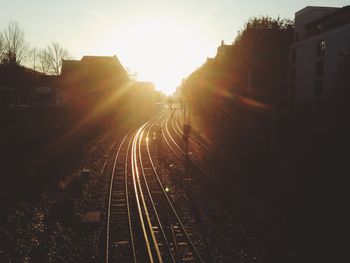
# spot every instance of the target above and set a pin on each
(34, 57)
(16, 48)
(49, 59)
(2, 47)
(44, 64)
(55, 53)
(266, 22)
(254, 66)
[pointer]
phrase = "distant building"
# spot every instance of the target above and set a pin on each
(223, 51)
(16, 85)
(145, 85)
(87, 63)
(322, 36)
(8, 96)
(92, 75)
(47, 91)
(20, 86)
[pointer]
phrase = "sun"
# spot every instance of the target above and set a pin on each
(160, 50)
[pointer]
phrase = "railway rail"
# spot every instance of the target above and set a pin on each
(195, 160)
(197, 167)
(142, 223)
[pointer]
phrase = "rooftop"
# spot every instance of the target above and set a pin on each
(337, 18)
(308, 8)
(90, 61)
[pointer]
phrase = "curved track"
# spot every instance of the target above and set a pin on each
(194, 160)
(142, 223)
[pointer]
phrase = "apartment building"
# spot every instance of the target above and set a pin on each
(322, 37)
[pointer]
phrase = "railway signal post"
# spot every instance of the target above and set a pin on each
(179, 104)
(159, 144)
(186, 134)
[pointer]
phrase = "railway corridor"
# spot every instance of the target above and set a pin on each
(143, 199)
(142, 223)
(167, 203)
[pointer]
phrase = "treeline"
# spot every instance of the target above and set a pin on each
(276, 158)
(232, 98)
(255, 65)
(49, 139)
(15, 50)
(256, 62)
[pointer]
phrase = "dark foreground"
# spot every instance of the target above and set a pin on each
(298, 193)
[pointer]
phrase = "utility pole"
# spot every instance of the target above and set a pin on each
(186, 134)
(178, 103)
(159, 142)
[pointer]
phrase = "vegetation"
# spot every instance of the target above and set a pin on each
(234, 99)
(103, 100)
(255, 65)
(15, 51)
(14, 47)
(49, 60)
(285, 162)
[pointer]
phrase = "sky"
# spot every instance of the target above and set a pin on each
(159, 41)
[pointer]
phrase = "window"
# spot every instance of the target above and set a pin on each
(321, 48)
(291, 105)
(319, 87)
(292, 73)
(43, 96)
(319, 68)
(293, 55)
(291, 89)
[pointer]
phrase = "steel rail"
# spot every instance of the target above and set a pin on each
(168, 143)
(177, 129)
(182, 154)
(196, 149)
(128, 203)
(110, 198)
(171, 138)
(193, 248)
(150, 195)
(219, 187)
(138, 195)
(142, 192)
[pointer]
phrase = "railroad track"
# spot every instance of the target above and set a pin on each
(199, 153)
(200, 148)
(142, 223)
(120, 244)
(199, 170)
(196, 160)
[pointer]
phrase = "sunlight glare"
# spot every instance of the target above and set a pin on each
(161, 51)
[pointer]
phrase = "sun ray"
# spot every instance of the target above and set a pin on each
(159, 49)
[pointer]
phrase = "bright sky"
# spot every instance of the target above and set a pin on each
(163, 41)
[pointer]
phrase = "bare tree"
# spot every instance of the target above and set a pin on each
(34, 57)
(2, 47)
(44, 63)
(16, 47)
(56, 53)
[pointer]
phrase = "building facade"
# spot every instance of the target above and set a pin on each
(322, 37)
(92, 76)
